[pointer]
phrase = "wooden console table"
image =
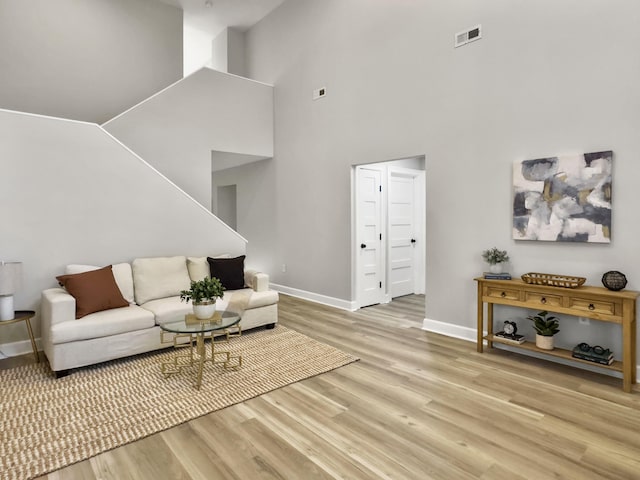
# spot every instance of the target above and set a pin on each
(596, 303)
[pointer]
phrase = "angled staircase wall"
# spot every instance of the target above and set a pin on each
(71, 193)
(177, 129)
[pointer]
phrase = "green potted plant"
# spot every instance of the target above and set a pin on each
(545, 327)
(203, 293)
(495, 258)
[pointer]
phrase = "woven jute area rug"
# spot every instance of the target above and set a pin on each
(49, 423)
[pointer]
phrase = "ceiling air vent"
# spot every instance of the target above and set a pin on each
(468, 36)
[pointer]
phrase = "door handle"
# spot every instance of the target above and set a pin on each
(413, 240)
(362, 245)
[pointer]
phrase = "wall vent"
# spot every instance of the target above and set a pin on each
(467, 36)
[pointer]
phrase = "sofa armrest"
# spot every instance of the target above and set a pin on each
(57, 306)
(258, 281)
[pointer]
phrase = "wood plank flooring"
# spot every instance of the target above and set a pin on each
(416, 406)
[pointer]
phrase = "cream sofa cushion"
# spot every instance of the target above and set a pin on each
(170, 309)
(121, 272)
(102, 324)
(159, 277)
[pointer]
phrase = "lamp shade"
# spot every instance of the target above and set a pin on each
(10, 277)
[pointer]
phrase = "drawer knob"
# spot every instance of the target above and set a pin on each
(503, 294)
(543, 300)
(592, 306)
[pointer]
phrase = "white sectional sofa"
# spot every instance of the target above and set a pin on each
(151, 287)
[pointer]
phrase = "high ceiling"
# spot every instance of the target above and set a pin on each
(213, 16)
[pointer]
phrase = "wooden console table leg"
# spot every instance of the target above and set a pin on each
(480, 325)
(634, 363)
(489, 323)
(628, 346)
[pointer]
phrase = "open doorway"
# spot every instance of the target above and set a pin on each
(388, 225)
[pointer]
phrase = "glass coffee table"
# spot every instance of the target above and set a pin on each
(189, 331)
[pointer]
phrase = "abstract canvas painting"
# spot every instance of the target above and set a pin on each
(563, 199)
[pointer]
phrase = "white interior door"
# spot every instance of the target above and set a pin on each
(370, 267)
(405, 237)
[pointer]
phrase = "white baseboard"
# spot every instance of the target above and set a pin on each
(21, 347)
(469, 334)
(450, 330)
(315, 297)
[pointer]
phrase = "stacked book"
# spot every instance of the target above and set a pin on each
(593, 354)
(510, 337)
(497, 276)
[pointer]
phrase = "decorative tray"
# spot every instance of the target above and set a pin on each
(552, 280)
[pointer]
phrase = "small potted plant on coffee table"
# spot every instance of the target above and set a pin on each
(203, 293)
(546, 328)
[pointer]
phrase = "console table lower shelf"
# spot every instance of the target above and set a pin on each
(616, 366)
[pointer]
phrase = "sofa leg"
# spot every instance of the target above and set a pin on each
(270, 326)
(62, 373)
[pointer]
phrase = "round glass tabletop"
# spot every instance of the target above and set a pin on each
(190, 324)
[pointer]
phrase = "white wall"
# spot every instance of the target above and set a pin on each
(546, 78)
(86, 60)
(220, 51)
(177, 129)
(70, 193)
(236, 52)
(197, 50)
(229, 52)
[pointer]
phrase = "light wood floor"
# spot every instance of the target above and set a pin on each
(416, 406)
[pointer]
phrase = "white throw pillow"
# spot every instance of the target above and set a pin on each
(159, 277)
(199, 266)
(121, 272)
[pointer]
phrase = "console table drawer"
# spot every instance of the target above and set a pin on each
(593, 306)
(506, 293)
(542, 299)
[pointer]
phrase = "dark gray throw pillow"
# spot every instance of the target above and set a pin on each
(230, 271)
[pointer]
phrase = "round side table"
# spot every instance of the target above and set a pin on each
(26, 316)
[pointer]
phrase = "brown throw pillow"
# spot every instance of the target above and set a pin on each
(94, 291)
(230, 271)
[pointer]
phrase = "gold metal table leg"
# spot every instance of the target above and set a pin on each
(181, 341)
(33, 342)
(178, 361)
(202, 352)
(227, 357)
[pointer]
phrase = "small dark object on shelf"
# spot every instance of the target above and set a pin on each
(614, 280)
(596, 354)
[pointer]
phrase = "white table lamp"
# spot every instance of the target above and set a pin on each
(10, 280)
